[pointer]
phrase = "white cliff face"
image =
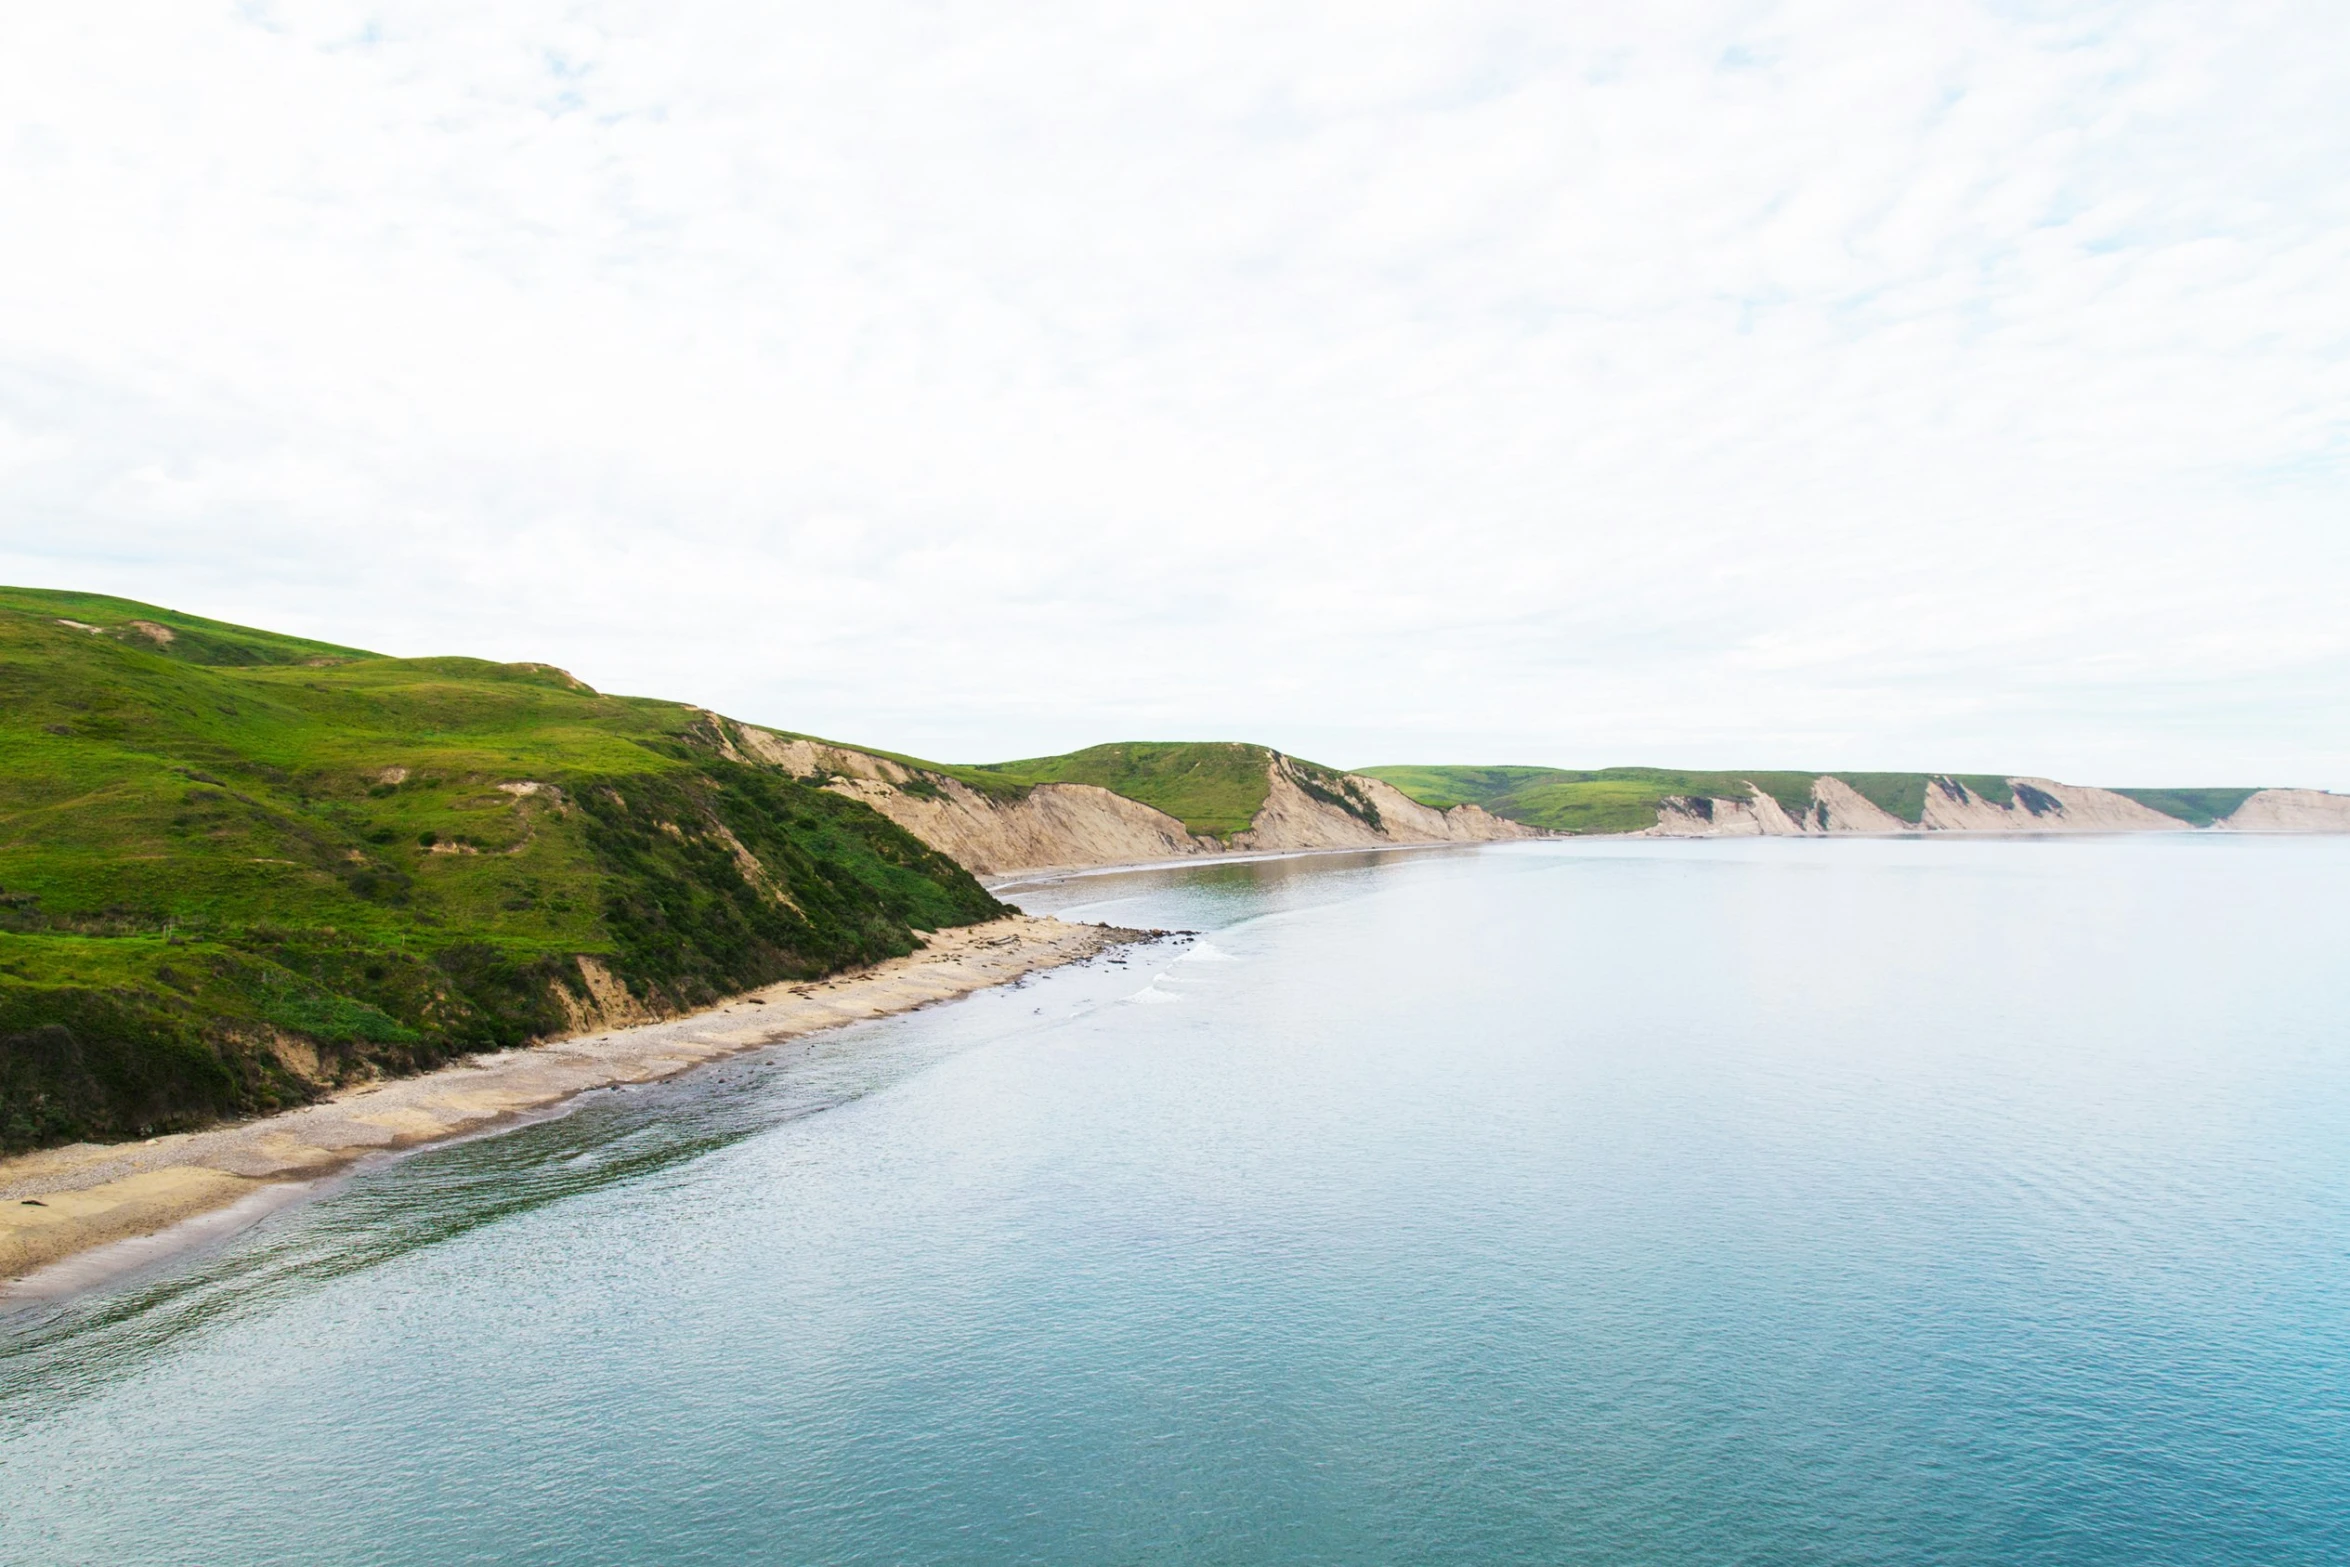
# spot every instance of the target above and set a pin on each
(1059, 826)
(1054, 824)
(1425, 824)
(1837, 807)
(1700, 816)
(2291, 810)
(1293, 819)
(2041, 805)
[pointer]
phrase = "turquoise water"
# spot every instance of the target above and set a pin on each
(1765, 1202)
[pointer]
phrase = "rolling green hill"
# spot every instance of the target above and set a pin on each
(1625, 799)
(237, 867)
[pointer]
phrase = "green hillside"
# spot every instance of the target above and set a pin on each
(1625, 799)
(1211, 787)
(190, 639)
(237, 867)
(2196, 807)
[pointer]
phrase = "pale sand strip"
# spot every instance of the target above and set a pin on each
(89, 1194)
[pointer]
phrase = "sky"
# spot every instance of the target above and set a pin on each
(1937, 385)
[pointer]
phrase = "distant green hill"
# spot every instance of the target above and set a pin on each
(224, 850)
(1214, 787)
(1209, 787)
(1625, 799)
(2195, 807)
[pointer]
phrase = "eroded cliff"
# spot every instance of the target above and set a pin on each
(2034, 805)
(997, 829)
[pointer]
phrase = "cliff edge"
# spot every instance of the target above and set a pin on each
(999, 822)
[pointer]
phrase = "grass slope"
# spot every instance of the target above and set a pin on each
(2196, 807)
(1625, 799)
(190, 639)
(1214, 788)
(236, 867)
(1613, 799)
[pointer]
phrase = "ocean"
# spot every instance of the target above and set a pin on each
(1610, 1202)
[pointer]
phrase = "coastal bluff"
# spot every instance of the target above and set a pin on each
(59, 1202)
(2033, 805)
(1722, 803)
(1019, 825)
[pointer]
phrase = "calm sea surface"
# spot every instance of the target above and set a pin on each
(1658, 1203)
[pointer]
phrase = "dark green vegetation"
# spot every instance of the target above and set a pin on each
(1625, 799)
(2196, 807)
(237, 868)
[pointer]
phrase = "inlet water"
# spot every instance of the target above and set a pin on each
(1658, 1203)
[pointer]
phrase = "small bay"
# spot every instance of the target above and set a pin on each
(1619, 1201)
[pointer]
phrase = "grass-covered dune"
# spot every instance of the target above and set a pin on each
(1625, 799)
(238, 867)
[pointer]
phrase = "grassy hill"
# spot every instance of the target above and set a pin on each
(236, 867)
(1214, 787)
(1625, 799)
(1209, 787)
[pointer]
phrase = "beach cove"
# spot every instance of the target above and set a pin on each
(62, 1202)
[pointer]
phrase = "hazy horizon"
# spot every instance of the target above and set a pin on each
(1960, 388)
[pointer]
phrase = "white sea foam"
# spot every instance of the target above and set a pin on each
(1152, 994)
(1207, 952)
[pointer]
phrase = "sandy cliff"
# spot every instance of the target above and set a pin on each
(1292, 818)
(2291, 810)
(1067, 825)
(2039, 805)
(1062, 825)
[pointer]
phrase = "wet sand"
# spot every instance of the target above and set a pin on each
(63, 1201)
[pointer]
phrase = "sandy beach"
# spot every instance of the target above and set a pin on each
(60, 1202)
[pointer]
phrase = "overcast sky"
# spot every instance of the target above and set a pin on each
(1920, 385)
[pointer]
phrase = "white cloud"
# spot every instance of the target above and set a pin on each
(1800, 383)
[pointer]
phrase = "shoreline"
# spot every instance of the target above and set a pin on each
(1045, 874)
(59, 1205)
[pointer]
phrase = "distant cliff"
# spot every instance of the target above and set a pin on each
(1658, 802)
(1122, 804)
